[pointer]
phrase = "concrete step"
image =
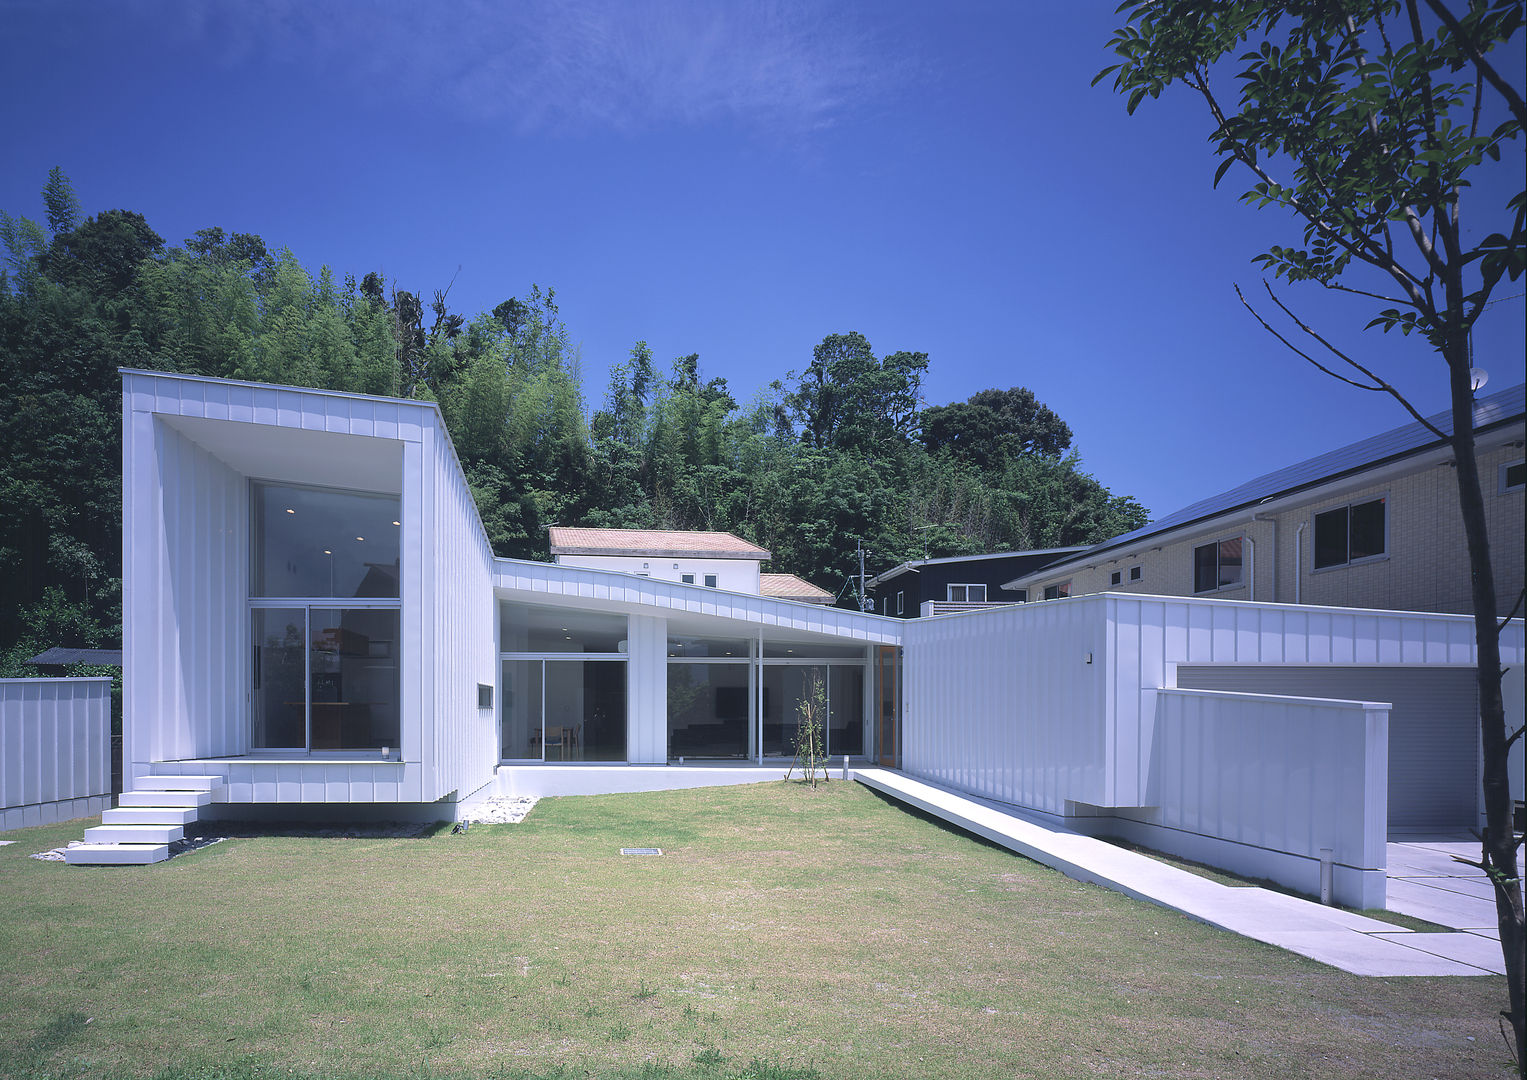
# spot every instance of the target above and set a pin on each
(134, 834)
(148, 815)
(116, 854)
(165, 798)
(177, 783)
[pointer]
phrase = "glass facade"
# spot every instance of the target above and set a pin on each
(708, 710)
(325, 618)
(553, 707)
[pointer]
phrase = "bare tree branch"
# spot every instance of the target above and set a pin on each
(1379, 385)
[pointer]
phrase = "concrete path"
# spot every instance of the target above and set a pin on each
(1353, 943)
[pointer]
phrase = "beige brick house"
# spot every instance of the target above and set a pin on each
(1372, 525)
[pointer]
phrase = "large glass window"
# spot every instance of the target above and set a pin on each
(314, 542)
(325, 672)
(553, 706)
(845, 728)
(325, 678)
(708, 710)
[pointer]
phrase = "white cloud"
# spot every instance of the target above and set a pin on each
(777, 67)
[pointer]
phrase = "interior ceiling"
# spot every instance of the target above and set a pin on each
(297, 455)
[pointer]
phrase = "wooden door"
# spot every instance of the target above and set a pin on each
(888, 704)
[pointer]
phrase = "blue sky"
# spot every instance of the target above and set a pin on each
(739, 179)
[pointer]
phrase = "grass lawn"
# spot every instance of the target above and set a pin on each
(784, 932)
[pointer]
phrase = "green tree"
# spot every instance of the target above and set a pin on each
(1366, 119)
(847, 399)
(993, 426)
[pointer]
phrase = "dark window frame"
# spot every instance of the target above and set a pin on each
(1216, 548)
(1323, 555)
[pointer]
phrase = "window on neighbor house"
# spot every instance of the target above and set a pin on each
(710, 581)
(1116, 577)
(967, 593)
(1218, 565)
(687, 579)
(1351, 533)
(901, 603)
(1513, 476)
(1058, 592)
(1135, 573)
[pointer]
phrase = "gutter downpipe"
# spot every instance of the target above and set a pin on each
(1298, 558)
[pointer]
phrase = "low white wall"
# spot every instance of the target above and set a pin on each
(1259, 784)
(545, 780)
(55, 750)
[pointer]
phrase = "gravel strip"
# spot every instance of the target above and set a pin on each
(499, 811)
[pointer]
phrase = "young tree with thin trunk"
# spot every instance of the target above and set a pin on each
(1366, 120)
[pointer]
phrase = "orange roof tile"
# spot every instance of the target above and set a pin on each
(790, 587)
(665, 543)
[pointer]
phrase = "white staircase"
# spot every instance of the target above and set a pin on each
(146, 821)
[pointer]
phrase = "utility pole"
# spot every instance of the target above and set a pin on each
(865, 603)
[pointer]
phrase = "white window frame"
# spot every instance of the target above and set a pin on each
(1137, 573)
(965, 598)
(901, 603)
(712, 581)
(687, 579)
(1115, 577)
(1502, 487)
(1215, 544)
(1348, 506)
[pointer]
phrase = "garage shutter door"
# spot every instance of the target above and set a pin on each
(1433, 729)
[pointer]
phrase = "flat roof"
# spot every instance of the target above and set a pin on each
(664, 543)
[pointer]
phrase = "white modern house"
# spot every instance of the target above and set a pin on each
(314, 625)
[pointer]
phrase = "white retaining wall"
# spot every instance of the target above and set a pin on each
(1259, 784)
(55, 750)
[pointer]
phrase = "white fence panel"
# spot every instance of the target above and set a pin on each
(55, 749)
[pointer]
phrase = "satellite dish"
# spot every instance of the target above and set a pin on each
(1477, 378)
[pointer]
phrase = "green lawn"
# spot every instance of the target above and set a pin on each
(784, 932)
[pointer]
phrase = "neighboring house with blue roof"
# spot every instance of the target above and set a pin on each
(1372, 525)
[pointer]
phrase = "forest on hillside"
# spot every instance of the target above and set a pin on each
(840, 451)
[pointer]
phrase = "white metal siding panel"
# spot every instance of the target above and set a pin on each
(1002, 703)
(55, 747)
(1286, 774)
(184, 567)
(463, 614)
(647, 689)
(1173, 631)
(1433, 747)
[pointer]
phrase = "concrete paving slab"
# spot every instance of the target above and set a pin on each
(1443, 908)
(1366, 954)
(1464, 948)
(1475, 886)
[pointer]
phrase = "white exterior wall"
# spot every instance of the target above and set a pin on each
(647, 689)
(185, 568)
(1274, 780)
(1003, 703)
(55, 750)
(460, 627)
(733, 575)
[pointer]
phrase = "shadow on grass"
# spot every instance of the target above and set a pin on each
(344, 830)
